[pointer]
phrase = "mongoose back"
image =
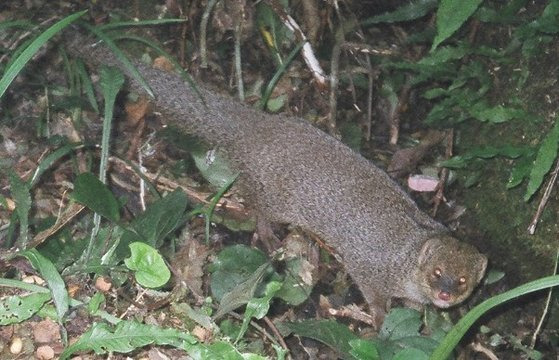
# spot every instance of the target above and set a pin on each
(292, 172)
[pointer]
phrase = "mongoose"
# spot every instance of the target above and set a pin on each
(292, 172)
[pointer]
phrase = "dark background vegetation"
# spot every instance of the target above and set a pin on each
(489, 90)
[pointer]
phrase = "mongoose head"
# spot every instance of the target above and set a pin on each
(449, 270)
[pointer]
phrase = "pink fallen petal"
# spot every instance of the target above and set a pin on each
(422, 183)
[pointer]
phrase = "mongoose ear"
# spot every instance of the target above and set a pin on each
(429, 248)
(482, 266)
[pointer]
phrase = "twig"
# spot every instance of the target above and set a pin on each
(439, 196)
(308, 53)
(485, 351)
(334, 71)
(543, 201)
(546, 308)
(370, 89)
(238, 67)
(276, 332)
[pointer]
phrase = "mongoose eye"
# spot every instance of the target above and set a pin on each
(462, 280)
(437, 272)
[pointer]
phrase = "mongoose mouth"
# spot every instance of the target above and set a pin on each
(442, 299)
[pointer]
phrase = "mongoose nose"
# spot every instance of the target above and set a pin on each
(444, 296)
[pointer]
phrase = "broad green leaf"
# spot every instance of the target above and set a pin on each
(520, 170)
(15, 309)
(161, 218)
(450, 17)
(445, 54)
(95, 303)
(91, 192)
(364, 350)
(149, 267)
(233, 266)
(400, 323)
(547, 154)
(17, 65)
(56, 285)
(497, 114)
(214, 167)
(329, 332)
(221, 350)
(258, 307)
(111, 82)
(276, 104)
(126, 337)
(410, 353)
(242, 293)
(295, 290)
(486, 152)
(413, 10)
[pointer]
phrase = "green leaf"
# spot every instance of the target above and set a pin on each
(410, 353)
(276, 104)
(91, 192)
(233, 266)
(15, 309)
(17, 65)
(258, 307)
(497, 114)
(401, 323)
(87, 85)
(50, 159)
(126, 337)
(520, 171)
(411, 11)
(22, 198)
(161, 218)
(547, 153)
(214, 167)
(162, 52)
(111, 82)
(221, 350)
(149, 266)
(443, 351)
(126, 63)
(335, 335)
(450, 17)
(54, 280)
(364, 350)
(95, 303)
(243, 293)
(295, 290)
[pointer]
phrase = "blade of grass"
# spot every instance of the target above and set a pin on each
(168, 56)
(17, 65)
(120, 56)
(50, 159)
(54, 280)
(279, 73)
(451, 339)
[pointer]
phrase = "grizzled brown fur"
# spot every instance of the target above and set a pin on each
(294, 173)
